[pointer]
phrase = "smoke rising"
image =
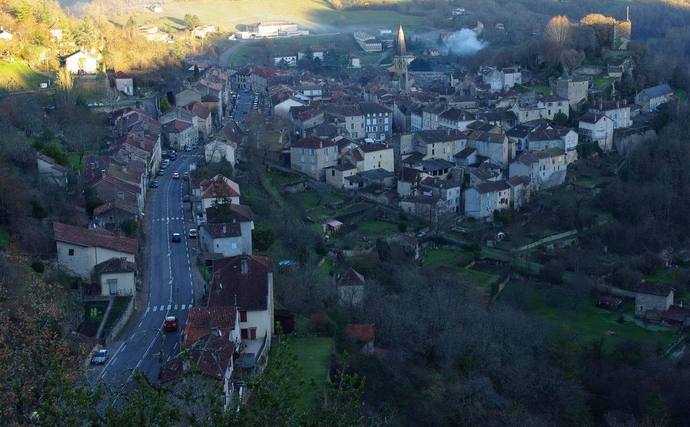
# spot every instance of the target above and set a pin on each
(464, 42)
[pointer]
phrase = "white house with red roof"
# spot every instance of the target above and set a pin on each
(80, 249)
(217, 190)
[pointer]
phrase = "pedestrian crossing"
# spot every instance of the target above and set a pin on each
(171, 218)
(167, 307)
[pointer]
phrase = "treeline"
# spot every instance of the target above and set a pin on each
(31, 23)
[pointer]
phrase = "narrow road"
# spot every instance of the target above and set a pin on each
(169, 283)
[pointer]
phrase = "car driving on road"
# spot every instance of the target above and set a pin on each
(175, 175)
(100, 357)
(176, 237)
(170, 324)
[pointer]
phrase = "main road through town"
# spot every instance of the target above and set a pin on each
(145, 346)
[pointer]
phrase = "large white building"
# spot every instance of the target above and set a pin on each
(79, 249)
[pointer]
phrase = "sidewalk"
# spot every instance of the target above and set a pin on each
(198, 281)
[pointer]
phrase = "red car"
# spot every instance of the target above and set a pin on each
(170, 324)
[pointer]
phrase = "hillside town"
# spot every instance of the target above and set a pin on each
(229, 228)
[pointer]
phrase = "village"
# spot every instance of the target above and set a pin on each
(241, 204)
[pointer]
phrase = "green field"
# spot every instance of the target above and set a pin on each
(451, 258)
(590, 323)
(18, 76)
(314, 14)
(312, 357)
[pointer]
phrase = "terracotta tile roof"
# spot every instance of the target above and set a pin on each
(234, 212)
(115, 265)
(370, 148)
(223, 230)
(176, 126)
(492, 186)
(313, 142)
(487, 136)
(210, 356)
(123, 205)
(202, 321)
(247, 290)
(219, 186)
(465, 153)
(200, 110)
(364, 332)
(94, 238)
(518, 180)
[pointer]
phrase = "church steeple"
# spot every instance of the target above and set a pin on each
(401, 50)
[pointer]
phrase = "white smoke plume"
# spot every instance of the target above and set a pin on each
(464, 42)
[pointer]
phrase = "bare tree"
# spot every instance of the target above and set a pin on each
(558, 30)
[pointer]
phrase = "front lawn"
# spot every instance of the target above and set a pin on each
(312, 357)
(376, 229)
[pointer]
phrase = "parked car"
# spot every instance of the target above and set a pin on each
(170, 324)
(176, 237)
(175, 175)
(187, 148)
(161, 172)
(193, 233)
(186, 175)
(186, 198)
(153, 184)
(100, 357)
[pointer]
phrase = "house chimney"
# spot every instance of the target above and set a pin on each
(244, 264)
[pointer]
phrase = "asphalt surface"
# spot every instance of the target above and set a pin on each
(170, 285)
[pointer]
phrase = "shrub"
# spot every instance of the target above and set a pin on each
(38, 266)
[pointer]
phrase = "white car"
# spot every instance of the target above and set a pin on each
(193, 233)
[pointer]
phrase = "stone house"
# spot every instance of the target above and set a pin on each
(544, 169)
(312, 156)
(79, 249)
(651, 98)
(574, 89)
(378, 121)
(116, 276)
(597, 128)
(652, 298)
(350, 288)
(246, 282)
(483, 199)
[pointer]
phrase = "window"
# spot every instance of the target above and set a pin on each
(71, 252)
(244, 334)
(112, 286)
(333, 172)
(243, 316)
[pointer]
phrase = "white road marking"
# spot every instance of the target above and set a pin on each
(169, 306)
(155, 308)
(147, 311)
(183, 306)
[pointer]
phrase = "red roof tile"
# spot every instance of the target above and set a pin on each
(93, 238)
(361, 331)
